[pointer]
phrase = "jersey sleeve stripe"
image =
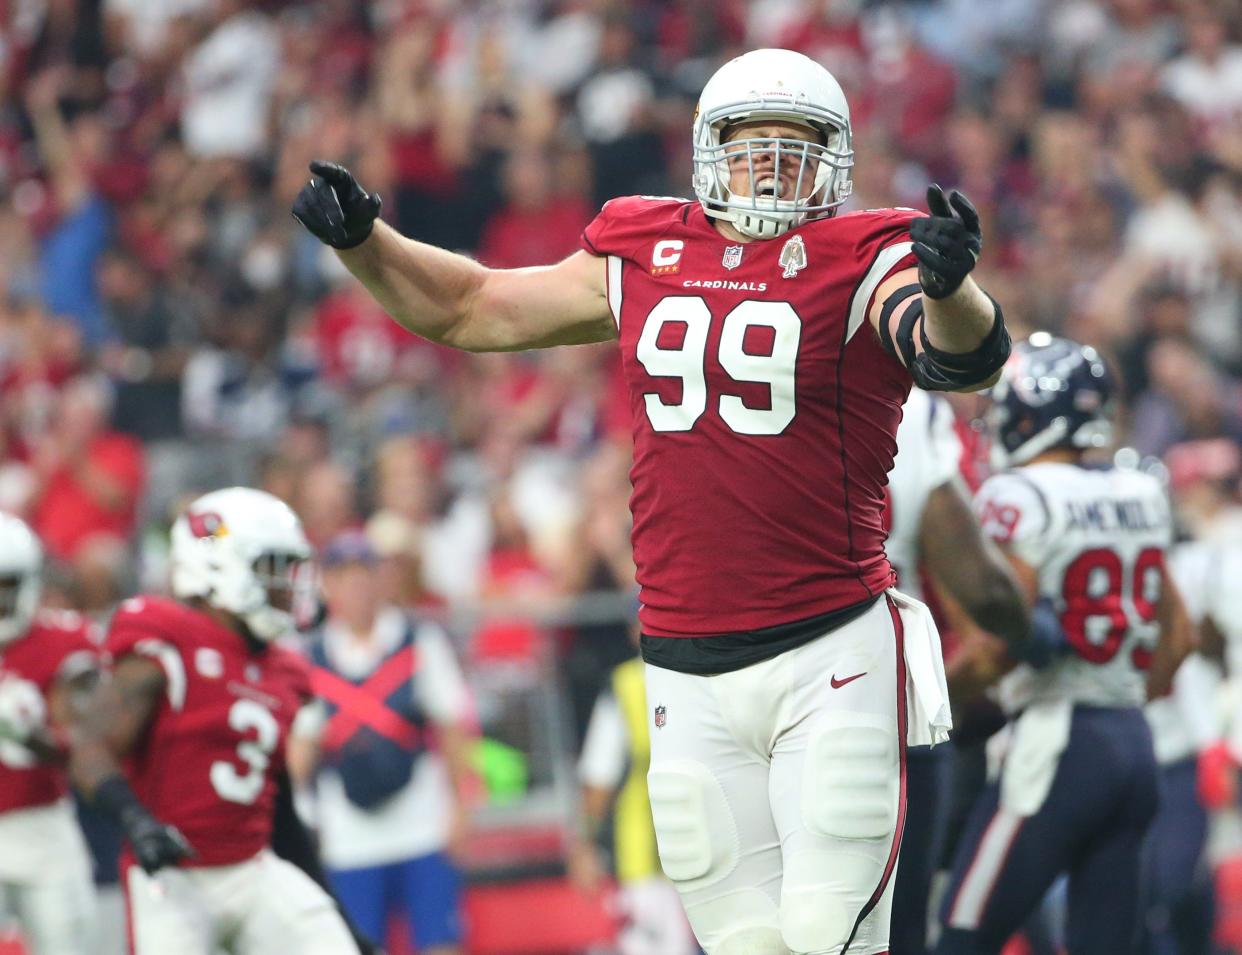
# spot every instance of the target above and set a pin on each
(166, 655)
(861, 302)
(614, 288)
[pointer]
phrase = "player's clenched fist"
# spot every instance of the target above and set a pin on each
(946, 243)
(334, 207)
(155, 844)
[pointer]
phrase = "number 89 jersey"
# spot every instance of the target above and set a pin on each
(209, 760)
(764, 411)
(1097, 540)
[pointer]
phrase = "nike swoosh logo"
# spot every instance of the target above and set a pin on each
(837, 684)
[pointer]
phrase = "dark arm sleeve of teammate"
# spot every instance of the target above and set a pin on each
(293, 842)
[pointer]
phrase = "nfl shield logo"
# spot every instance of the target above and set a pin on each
(732, 257)
(659, 716)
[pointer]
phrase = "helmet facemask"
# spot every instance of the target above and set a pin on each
(819, 172)
(19, 599)
(284, 579)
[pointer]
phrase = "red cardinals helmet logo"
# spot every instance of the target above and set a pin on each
(207, 524)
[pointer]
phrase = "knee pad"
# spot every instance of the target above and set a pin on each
(695, 831)
(756, 940)
(815, 919)
(823, 892)
(851, 782)
(742, 922)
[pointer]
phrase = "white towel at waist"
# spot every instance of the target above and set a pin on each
(927, 692)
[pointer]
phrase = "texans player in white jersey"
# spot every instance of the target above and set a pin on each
(768, 344)
(46, 661)
(1077, 787)
(1197, 750)
(934, 531)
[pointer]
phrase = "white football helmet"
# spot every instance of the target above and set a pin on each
(21, 577)
(242, 550)
(784, 86)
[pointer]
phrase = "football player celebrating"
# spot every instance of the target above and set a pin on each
(1077, 788)
(768, 344)
(200, 705)
(44, 659)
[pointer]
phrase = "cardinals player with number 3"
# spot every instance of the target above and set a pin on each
(768, 344)
(45, 660)
(1077, 787)
(199, 706)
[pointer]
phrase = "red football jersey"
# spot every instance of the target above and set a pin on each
(57, 646)
(763, 409)
(208, 762)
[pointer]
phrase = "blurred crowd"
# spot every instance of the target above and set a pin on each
(166, 328)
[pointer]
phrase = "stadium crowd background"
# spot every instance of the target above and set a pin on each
(166, 328)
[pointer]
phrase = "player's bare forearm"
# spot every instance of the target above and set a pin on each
(959, 322)
(455, 301)
(970, 566)
(111, 721)
(957, 325)
(426, 289)
(1178, 640)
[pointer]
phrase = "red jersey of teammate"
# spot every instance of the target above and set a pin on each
(57, 646)
(763, 408)
(209, 761)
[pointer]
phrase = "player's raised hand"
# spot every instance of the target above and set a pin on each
(946, 243)
(155, 844)
(334, 207)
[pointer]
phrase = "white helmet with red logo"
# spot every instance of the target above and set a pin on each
(781, 86)
(21, 577)
(241, 550)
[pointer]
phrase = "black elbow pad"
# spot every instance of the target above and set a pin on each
(936, 370)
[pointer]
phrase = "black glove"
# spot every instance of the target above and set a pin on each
(1048, 641)
(155, 844)
(946, 243)
(334, 208)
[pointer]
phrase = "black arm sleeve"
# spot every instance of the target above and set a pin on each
(294, 843)
(936, 370)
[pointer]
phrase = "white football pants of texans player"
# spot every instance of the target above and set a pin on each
(778, 789)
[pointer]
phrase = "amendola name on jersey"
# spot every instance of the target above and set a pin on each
(1097, 539)
(209, 761)
(58, 646)
(764, 410)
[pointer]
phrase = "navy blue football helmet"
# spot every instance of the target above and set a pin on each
(1052, 393)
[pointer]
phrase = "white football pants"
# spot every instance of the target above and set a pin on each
(257, 907)
(45, 879)
(778, 792)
